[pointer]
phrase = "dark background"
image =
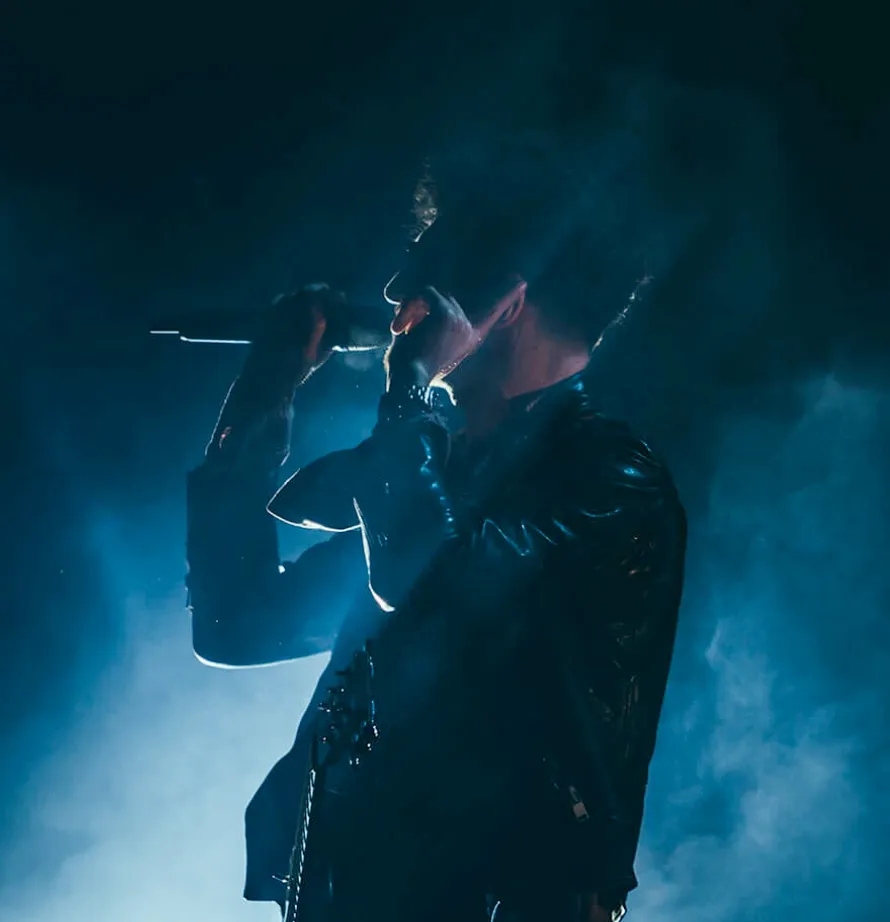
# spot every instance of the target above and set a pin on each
(183, 159)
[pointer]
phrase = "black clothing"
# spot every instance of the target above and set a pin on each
(526, 591)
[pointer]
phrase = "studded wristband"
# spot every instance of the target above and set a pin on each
(404, 403)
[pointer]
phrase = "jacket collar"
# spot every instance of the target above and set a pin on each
(568, 392)
(530, 415)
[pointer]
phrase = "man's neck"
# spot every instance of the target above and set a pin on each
(548, 364)
(484, 412)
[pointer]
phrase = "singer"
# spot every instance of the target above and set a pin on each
(521, 578)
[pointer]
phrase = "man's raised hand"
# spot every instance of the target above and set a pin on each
(296, 337)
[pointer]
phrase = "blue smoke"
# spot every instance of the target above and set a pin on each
(130, 773)
(767, 786)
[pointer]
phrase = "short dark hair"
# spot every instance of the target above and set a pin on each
(531, 204)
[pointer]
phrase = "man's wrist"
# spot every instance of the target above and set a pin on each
(408, 376)
(274, 378)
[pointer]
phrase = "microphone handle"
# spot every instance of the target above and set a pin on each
(367, 329)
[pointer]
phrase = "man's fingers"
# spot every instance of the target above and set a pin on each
(409, 315)
(319, 326)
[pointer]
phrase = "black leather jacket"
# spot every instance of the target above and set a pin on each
(524, 595)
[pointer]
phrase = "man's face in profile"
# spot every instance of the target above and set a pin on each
(458, 258)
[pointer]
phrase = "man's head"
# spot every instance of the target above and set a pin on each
(518, 229)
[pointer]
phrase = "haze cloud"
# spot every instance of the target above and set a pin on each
(774, 747)
(766, 774)
(769, 788)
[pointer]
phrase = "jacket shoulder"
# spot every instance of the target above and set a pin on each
(609, 448)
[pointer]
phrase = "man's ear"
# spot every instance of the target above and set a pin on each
(515, 302)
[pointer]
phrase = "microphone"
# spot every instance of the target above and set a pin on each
(361, 328)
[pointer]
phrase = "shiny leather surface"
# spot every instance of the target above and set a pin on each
(525, 596)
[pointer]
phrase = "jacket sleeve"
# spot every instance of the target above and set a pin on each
(247, 608)
(592, 499)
